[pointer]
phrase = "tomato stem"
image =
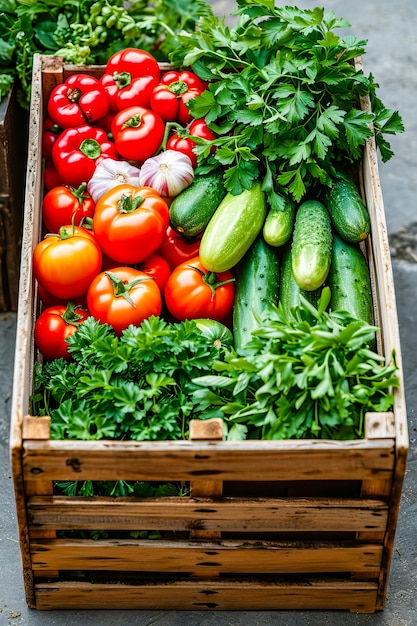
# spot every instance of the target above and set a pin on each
(211, 280)
(91, 148)
(70, 316)
(121, 288)
(128, 204)
(178, 87)
(122, 79)
(169, 126)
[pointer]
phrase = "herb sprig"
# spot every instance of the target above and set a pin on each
(313, 376)
(284, 97)
(138, 386)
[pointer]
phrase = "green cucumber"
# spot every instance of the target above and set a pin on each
(349, 281)
(236, 223)
(311, 245)
(349, 215)
(256, 286)
(279, 224)
(192, 209)
(219, 333)
(289, 290)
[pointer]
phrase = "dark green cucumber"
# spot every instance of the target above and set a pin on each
(279, 224)
(192, 209)
(311, 245)
(349, 215)
(235, 225)
(289, 290)
(349, 281)
(256, 286)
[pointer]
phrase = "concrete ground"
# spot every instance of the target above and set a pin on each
(389, 27)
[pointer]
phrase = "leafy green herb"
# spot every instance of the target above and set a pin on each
(138, 386)
(313, 376)
(87, 32)
(284, 97)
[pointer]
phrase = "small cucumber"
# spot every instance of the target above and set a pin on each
(256, 286)
(289, 290)
(236, 223)
(279, 224)
(349, 215)
(311, 245)
(349, 281)
(192, 209)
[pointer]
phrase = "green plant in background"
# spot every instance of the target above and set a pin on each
(86, 32)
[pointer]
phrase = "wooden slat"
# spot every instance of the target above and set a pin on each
(204, 558)
(183, 460)
(210, 595)
(226, 514)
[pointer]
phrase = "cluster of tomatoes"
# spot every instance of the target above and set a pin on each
(116, 257)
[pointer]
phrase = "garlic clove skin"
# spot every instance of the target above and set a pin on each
(168, 173)
(108, 174)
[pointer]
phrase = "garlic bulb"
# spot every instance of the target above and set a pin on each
(108, 174)
(169, 173)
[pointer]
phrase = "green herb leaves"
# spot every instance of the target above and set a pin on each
(284, 97)
(314, 377)
(138, 386)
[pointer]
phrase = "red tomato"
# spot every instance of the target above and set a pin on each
(65, 264)
(192, 292)
(123, 296)
(65, 205)
(137, 132)
(49, 134)
(81, 99)
(77, 151)
(129, 223)
(123, 90)
(182, 142)
(51, 178)
(134, 61)
(169, 98)
(54, 325)
(176, 249)
(49, 300)
(156, 267)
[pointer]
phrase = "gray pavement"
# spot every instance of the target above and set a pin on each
(389, 26)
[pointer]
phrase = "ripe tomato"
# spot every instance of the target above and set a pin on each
(49, 134)
(123, 296)
(123, 90)
(192, 292)
(81, 99)
(156, 267)
(51, 178)
(176, 249)
(170, 97)
(63, 205)
(77, 151)
(137, 132)
(130, 222)
(54, 325)
(182, 142)
(134, 61)
(65, 264)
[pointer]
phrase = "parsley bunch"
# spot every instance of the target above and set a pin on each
(284, 97)
(313, 376)
(137, 386)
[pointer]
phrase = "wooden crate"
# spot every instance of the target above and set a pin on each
(13, 143)
(299, 524)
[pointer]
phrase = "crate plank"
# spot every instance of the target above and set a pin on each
(202, 558)
(226, 461)
(225, 514)
(209, 595)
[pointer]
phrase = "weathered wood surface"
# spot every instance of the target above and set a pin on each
(204, 558)
(221, 514)
(211, 595)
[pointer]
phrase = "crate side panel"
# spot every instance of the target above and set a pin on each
(210, 595)
(226, 461)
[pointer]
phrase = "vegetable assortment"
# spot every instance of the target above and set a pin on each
(218, 267)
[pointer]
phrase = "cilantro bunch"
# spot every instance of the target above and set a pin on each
(313, 376)
(284, 97)
(137, 386)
